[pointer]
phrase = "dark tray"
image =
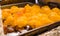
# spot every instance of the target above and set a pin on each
(35, 31)
(42, 30)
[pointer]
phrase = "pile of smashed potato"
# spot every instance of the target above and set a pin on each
(34, 16)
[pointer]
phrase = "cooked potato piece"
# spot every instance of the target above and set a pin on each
(9, 20)
(54, 16)
(14, 9)
(46, 9)
(57, 10)
(35, 9)
(5, 13)
(39, 20)
(21, 21)
(27, 8)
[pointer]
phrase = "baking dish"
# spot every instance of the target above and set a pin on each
(35, 31)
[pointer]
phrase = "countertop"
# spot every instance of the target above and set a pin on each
(53, 32)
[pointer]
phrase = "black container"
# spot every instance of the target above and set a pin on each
(35, 31)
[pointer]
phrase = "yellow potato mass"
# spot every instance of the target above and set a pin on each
(57, 10)
(35, 16)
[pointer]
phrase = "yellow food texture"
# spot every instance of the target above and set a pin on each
(5, 13)
(9, 20)
(46, 9)
(57, 10)
(21, 21)
(34, 15)
(54, 16)
(14, 9)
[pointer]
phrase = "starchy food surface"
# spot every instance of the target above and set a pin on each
(34, 16)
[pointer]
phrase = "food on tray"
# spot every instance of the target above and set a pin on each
(57, 10)
(46, 9)
(54, 16)
(28, 17)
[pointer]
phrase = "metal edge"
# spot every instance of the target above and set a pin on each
(16, 4)
(41, 29)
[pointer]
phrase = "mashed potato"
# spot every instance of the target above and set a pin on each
(35, 16)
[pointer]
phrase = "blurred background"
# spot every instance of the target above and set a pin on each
(33, 1)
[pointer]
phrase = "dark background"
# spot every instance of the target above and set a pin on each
(3, 2)
(51, 4)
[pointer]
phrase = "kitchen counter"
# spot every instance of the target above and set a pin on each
(53, 32)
